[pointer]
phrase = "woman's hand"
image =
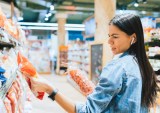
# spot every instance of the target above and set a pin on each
(41, 85)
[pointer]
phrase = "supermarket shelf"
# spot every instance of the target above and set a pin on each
(153, 43)
(80, 62)
(13, 41)
(6, 87)
(5, 44)
(156, 57)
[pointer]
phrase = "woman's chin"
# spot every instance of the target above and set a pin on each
(114, 53)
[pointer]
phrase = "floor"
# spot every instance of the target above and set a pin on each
(48, 106)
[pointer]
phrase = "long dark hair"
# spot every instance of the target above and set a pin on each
(130, 23)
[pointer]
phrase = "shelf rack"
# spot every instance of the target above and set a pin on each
(4, 89)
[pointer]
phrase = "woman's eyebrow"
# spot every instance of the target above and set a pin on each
(113, 34)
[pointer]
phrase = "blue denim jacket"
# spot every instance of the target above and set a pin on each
(119, 89)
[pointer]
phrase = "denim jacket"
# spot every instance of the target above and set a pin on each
(119, 88)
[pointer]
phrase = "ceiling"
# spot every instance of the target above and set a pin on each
(78, 10)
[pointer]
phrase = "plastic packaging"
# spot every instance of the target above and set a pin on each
(29, 71)
(85, 85)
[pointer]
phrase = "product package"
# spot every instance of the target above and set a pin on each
(29, 71)
(85, 85)
(3, 79)
(2, 18)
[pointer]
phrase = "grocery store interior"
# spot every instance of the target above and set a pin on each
(59, 35)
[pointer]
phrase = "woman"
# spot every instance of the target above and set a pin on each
(127, 83)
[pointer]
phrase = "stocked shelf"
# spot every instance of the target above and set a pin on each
(12, 91)
(6, 44)
(153, 43)
(156, 57)
(4, 89)
(78, 56)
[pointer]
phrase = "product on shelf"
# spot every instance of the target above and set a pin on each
(3, 79)
(11, 28)
(29, 70)
(63, 55)
(13, 98)
(13, 91)
(85, 85)
(7, 104)
(25, 66)
(2, 18)
(78, 56)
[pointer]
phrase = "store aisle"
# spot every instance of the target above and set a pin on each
(47, 105)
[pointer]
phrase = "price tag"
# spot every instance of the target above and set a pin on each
(2, 107)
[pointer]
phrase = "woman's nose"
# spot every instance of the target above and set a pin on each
(109, 40)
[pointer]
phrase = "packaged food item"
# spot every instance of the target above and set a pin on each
(2, 18)
(85, 85)
(11, 95)
(11, 28)
(7, 104)
(3, 79)
(29, 71)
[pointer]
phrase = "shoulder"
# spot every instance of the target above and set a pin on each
(128, 63)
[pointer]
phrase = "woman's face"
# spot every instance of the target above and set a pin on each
(119, 41)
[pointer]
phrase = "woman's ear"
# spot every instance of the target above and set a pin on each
(134, 38)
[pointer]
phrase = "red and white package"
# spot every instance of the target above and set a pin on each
(29, 71)
(12, 96)
(85, 85)
(7, 104)
(2, 18)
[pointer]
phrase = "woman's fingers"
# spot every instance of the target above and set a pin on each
(41, 85)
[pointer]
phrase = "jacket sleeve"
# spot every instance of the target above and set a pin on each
(109, 86)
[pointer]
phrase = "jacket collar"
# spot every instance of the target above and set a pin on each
(120, 55)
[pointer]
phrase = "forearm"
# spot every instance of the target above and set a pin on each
(62, 100)
(65, 103)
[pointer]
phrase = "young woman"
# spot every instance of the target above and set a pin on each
(127, 83)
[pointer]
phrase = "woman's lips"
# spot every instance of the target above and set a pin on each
(113, 49)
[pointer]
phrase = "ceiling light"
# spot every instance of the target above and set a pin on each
(39, 28)
(143, 12)
(37, 24)
(74, 25)
(46, 19)
(74, 29)
(20, 18)
(51, 28)
(136, 5)
(52, 7)
(49, 14)
(50, 24)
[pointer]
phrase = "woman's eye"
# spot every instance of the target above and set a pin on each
(115, 36)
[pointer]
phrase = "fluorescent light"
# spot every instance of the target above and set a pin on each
(39, 28)
(46, 19)
(49, 14)
(74, 29)
(52, 7)
(136, 5)
(51, 28)
(20, 18)
(50, 24)
(74, 25)
(37, 24)
(143, 12)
